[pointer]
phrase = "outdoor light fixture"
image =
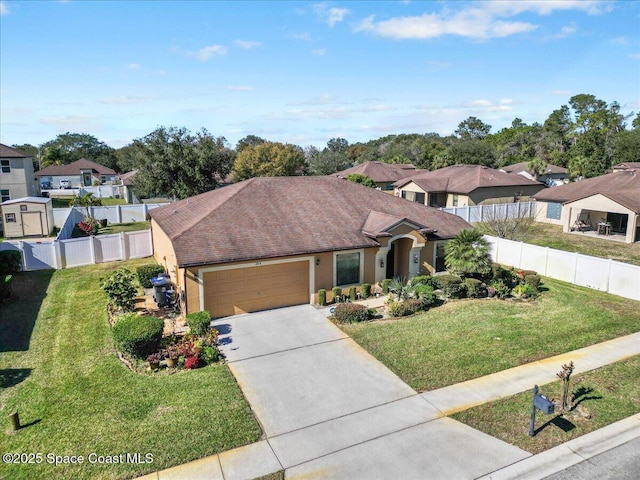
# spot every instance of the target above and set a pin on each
(381, 263)
(415, 258)
(317, 261)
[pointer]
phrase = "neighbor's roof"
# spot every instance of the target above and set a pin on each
(622, 187)
(280, 216)
(74, 168)
(9, 152)
(380, 171)
(524, 167)
(127, 178)
(27, 200)
(465, 179)
(626, 165)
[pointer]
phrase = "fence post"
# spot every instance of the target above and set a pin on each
(23, 260)
(575, 268)
(92, 249)
(57, 254)
(119, 214)
(608, 275)
(468, 214)
(123, 252)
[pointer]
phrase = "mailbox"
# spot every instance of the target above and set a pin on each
(543, 404)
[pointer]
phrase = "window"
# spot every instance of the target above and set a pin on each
(554, 210)
(348, 268)
(10, 217)
(455, 199)
(4, 195)
(5, 166)
(389, 186)
(23, 208)
(420, 197)
(440, 255)
(403, 194)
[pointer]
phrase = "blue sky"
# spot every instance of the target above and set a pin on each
(305, 72)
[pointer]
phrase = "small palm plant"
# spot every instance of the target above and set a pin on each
(467, 255)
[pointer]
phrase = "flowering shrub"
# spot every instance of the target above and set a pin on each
(191, 362)
(89, 226)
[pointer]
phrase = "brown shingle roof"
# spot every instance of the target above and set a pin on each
(622, 187)
(524, 167)
(280, 216)
(381, 172)
(127, 178)
(9, 152)
(465, 179)
(74, 168)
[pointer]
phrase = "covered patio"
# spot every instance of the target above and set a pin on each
(599, 216)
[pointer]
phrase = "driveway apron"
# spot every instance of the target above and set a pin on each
(329, 408)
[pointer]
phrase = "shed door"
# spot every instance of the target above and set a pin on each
(32, 223)
(242, 290)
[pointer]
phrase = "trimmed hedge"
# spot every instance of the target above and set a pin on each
(533, 281)
(475, 288)
(199, 322)
(385, 285)
(353, 294)
(366, 290)
(138, 335)
(451, 285)
(145, 272)
(337, 293)
(322, 297)
(10, 261)
(352, 313)
(404, 307)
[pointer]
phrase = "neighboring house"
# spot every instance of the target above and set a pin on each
(274, 241)
(81, 173)
(465, 185)
(612, 199)
(553, 175)
(16, 174)
(383, 174)
(27, 217)
(127, 182)
(626, 166)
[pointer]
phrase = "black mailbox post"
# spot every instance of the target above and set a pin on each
(543, 404)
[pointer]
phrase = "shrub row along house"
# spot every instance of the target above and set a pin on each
(273, 242)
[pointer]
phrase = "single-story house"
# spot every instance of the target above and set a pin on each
(383, 174)
(127, 183)
(81, 173)
(612, 200)
(27, 217)
(275, 241)
(465, 185)
(553, 174)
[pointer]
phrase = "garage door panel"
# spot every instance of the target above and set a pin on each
(242, 290)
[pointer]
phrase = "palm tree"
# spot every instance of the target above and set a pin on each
(467, 254)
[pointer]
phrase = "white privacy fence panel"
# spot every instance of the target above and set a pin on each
(76, 252)
(108, 248)
(598, 273)
(113, 213)
(493, 211)
(138, 244)
(624, 280)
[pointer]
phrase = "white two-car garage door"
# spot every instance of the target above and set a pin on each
(242, 290)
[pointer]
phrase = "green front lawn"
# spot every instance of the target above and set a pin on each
(466, 339)
(552, 236)
(124, 227)
(604, 396)
(60, 371)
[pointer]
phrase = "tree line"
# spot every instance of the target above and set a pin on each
(587, 136)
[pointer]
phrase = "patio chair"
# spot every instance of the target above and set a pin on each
(580, 226)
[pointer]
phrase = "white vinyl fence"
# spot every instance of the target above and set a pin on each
(494, 211)
(598, 273)
(76, 252)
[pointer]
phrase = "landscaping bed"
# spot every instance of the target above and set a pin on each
(601, 397)
(465, 339)
(60, 371)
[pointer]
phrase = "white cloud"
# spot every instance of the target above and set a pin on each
(247, 44)
(205, 53)
(4, 9)
(330, 15)
(133, 66)
(482, 20)
(619, 41)
(68, 120)
(635, 56)
(302, 36)
(566, 31)
(319, 51)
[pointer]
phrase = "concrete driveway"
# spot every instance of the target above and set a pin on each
(330, 409)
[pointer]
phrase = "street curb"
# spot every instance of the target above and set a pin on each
(570, 453)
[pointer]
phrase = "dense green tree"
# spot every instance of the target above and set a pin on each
(338, 145)
(172, 161)
(361, 179)
(269, 159)
(471, 152)
(472, 128)
(626, 146)
(31, 150)
(69, 147)
(467, 255)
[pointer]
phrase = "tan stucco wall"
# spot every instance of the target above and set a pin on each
(164, 253)
(500, 194)
(541, 214)
(597, 207)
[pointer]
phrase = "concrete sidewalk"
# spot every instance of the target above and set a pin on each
(401, 435)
